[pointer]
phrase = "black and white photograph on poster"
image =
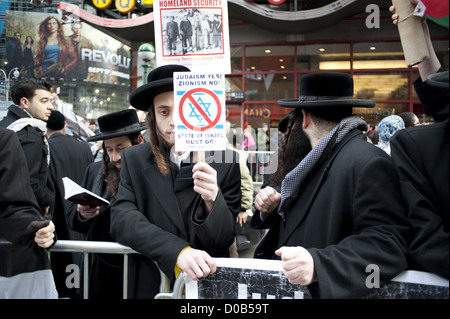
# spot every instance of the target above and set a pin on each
(193, 33)
(245, 278)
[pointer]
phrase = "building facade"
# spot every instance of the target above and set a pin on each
(269, 57)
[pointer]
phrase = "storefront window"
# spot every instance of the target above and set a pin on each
(378, 55)
(269, 86)
(380, 111)
(381, 86)
(258, 114)
(441, 48)
(314, 57)
(91, 101)
(269, 58)
(236, 59)
(233, 89)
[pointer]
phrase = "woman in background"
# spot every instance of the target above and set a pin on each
(28, 55)
(55, 55)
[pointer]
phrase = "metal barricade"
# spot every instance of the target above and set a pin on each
(101, 247)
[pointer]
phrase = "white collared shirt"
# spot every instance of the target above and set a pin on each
(177, 159)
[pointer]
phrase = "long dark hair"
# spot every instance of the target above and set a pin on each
(160, 160)
(294, 148)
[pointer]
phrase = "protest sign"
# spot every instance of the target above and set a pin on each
(193, 33)
(199, 111)
(246, 278)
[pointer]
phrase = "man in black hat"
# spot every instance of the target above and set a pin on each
(118, 131)
(338, 212)
(170, 209)
(421, 155)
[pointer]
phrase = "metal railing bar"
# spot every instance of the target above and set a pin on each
(86, 276)
(99, 247)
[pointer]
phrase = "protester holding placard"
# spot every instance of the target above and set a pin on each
(421, 156)
(338, 223)
(169, 209)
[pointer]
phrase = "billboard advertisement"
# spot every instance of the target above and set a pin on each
(42, 45)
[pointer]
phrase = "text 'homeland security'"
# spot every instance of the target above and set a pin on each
(190, 3)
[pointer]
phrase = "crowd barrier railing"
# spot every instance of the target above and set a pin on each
(101, 247)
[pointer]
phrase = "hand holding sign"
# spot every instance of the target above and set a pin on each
(298, 265)
(205, 183)
(411, 32)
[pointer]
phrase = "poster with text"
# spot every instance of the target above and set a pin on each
(199, 113)
(45, 46)
(193, 33)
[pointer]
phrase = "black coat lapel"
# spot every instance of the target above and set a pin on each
(162, 187)
(296, 216)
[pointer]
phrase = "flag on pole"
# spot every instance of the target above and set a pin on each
(434, 10)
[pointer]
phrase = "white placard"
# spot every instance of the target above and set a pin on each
(193, 33)
(199, 112)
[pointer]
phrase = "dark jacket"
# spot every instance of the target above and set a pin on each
(158, 222)
(348, 215)
(421, 155)
(36, 155)
(20, 215)
(69, 158)
(105, 280)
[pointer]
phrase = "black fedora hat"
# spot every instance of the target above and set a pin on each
(324, 90)
(159, 80)
(117, 124)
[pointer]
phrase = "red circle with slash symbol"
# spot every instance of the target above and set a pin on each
(189, 96)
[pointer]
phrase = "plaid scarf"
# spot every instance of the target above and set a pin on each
(290, 187)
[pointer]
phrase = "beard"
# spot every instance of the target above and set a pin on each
(112, 177)
(296, 145)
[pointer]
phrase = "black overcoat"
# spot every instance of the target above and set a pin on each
(349, 215)
(153, 219)
(421, 155)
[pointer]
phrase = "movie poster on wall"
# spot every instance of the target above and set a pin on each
(193, 33)
(43, 45)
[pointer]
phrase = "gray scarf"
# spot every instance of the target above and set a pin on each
(293, 180)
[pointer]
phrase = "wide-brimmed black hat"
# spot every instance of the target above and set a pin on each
(117, 124)
(159, 80)
(325, 90)
(439, 80)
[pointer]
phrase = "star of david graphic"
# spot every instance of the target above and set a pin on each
(194, 113)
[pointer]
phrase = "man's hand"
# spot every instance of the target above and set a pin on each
(205, 183)
(298, 265)
(241, 218)
(395, 16)
(44, 237)
(196, 263)
(87, 211)
(267, 200)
